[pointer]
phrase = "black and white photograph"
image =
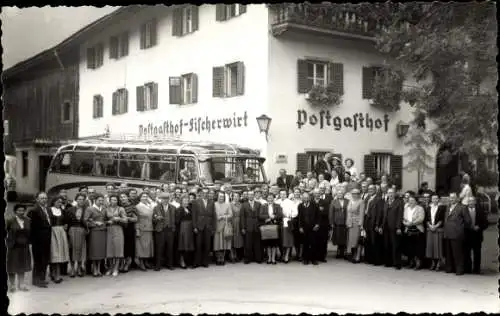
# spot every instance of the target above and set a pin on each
(278, 158)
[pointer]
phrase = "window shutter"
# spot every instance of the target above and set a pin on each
(194, 86)
(113, 47)
(397, 170)
(337, 77)
(367, 82)
(154, 32)
(115, 103)
(369, 167)
(124, 48)
(243, 8)
(218, 82)
(125, 101)
(143, 36)
(90, 58)
(220, 12)
(302, 162)
(101, 106)
(195, 17)
(177, 22)
(140, 98)
(95, 109)
(154, 104)
(175, 90)
(302, 84)
(240, 82)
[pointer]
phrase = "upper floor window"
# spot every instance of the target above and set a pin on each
(148, 34)
(24, 163)
(98, 105)
(118, 45)
(491, 163)
(319, 73)
(229, 80)
(67, 112)
(227, 11)
(120, 101)
(147, 97)
(185, 20)
(183, 89)
(95, 56)
(368, 80)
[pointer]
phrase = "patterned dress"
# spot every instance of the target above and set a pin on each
(224, 215)
(114, 235)
(354, 222)
(77, 233)
(144, 247)
(59, 246)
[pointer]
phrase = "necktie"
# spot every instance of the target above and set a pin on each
(46, 214)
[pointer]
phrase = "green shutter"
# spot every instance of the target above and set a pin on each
(124, 44)
(194, 85)
(367, 82)
(94, 109)
(195, 17)
(218, 82)
(220, 12)
(337, 77)
(243, 8)
(302, 83)
(125, 101)
(175, 90)
(397, 170)
(101, 106)
(154, 101)
(115, 103)
(154, 32)
(91, 58)
(177, 22)
(302, 162)
(139, 95)
(369, 167)
(143, 36)
(240, 82)
(113, 47)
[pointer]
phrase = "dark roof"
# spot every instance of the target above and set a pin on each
(70, 42)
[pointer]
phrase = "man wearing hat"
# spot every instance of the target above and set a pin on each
(337, 165)
(323, 166)
(164, 224)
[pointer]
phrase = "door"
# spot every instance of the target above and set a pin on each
(43, 167)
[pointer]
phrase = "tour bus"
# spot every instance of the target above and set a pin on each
(9, 168)
(146, 163)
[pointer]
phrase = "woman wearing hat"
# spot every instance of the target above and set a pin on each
(18, 230)
(354, 223)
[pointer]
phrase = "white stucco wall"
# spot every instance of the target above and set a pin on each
(214, 44)
(285, 135)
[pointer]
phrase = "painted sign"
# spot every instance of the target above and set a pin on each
(356, 121)
(196, 124)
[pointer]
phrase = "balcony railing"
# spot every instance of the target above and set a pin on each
(334, 18)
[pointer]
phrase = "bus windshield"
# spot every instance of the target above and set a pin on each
(236, 170)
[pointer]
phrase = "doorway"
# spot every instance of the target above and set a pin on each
(43, 167)
(449, 166)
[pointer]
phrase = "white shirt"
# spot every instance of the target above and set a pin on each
(353, 171)
(409, 213)
(20, 222)
(434, 209)
(56, 211)
(175, 204)
(290, 210)
(472, 212)
(270, 211)
(334, 181)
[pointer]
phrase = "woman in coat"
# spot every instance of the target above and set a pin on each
(337, 214)
(59, 246)
(290, 211)
(186, 235)
(95, 220)
(115, 218)
(271, 214)
(144, 247)
(223, 229)
(354, 223)
(413, 220)
(238, 242)
(128, 231)
(434, 221)
(18, 231)
(77, 235)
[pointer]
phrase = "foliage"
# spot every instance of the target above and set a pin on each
(486, 178)
(387, 89)
(324, 96)
(419, 159)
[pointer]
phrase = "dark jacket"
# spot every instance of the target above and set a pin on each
(264, 214)
(456, 222)
(286, 183)
(204, 217)
(40, 225)
(322, 167)
(165, 218)
(338, 212)
(393, 215)
(374, 213)
(324, 211)
(481, 220)
(308, 216)
(249, 218)
(441, 211)
(295, 182)
(70, 217)
(17, 236)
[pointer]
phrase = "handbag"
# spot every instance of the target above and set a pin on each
(269, 231)
(228, 230)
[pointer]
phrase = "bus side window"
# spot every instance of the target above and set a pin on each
(82, 163)
(187, 170)
(62, 163)
(130, 166)
(105, 164)
(162, 168)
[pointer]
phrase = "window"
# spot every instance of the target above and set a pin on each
(131, 165)
(491, 163)
(148, 34)
(118, 45)
(24, 157)
(183, 89)
(98, 104)
(236, 170)
(147, 97)
(120, 101)
(62, 163)
(227, 11)
(82, 162)
(187, 170)
(105, 164)
(368, 80)
(185, 20)
(229, 80)
(317, 74)
(382, 164)
(162, 168)
(95, 56)
(67, 112)
(320, 73)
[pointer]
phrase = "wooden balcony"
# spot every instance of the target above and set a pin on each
(335, 20)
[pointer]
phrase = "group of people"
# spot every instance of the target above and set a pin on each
(176, 226)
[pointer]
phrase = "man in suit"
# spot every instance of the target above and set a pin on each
(337, 218)
(324, 225)
(474, 236)
(457, 219)
(165, 221)
(284, 180)
(249, 219)
(373, 221)
(297, 179)
(41, 235)
(308, 227)
(392, 229)
(323, 166)
(364, 191)
(203, 226)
